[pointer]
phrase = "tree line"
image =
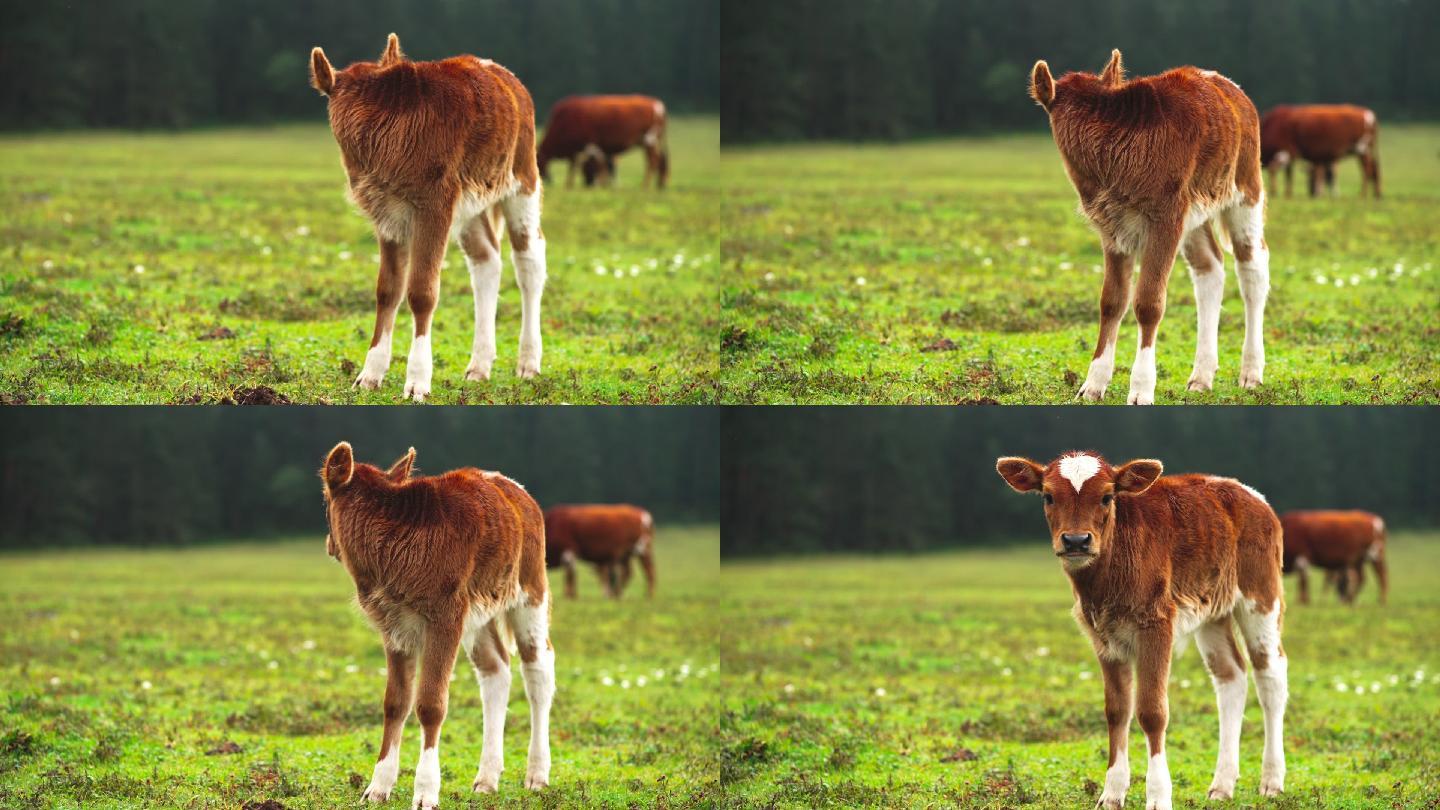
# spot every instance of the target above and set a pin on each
(890, 69)
(146, 475)
(161, 63)
(802, 480)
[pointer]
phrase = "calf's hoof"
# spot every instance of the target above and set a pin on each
(368, 381)
(422, 803)
(527, 369)
(1140, 398)
(537, 781)
(1091, 393)
(376, 795)
(1200, 383)
(1110, 803)
(486, 784)
(1251, 379)
(1272, 785)
(417, 390)
(1221, 794)
(477, 373)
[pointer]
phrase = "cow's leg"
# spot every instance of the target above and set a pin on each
(399, 690)
(480, 239)
(568, 559)
(1246, 226)
(1152, 672)
(1114, 300)
(1207, 273)
(1289, 178)
(1260, 624)
(1314, 175)
(647, 564)
(428, 236)
(570, 171)
(527, 250)
(1382, 573)
(612, 575)
(1302, 573)
(627, 570)
(491, 660)
(531, 623)
(1162, 243)
(389, 285)
(1216, 642)
(1330, 179)
(442, 639)
(1119, 705)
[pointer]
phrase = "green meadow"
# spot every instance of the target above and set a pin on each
(959, 271)
(236, 675)
(960, 680)
(228, 264)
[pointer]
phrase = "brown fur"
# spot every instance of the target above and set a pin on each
(611, 124)
(1321, 134)
(1157, 545)
(1338, 542)
(606, 535)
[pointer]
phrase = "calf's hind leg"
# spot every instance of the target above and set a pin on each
(1114, 300)
(1260, 624)
(1162, 243)
(492, 669)
(1207, 273)
(480, 239)
(531, 623)
(1246, 226)
(399, 690)
(442, 639)
(527, 250)
(429, 235)
(1216, 642)
(389, 284)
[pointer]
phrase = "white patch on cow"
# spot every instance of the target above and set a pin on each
(1097, 379)
(522, 213)
(1079, 468)
(1142, 376)
(532, 624)
(1117, 780)
(1282, 158)
(1246, 225)
(472, 204)
(427, 779)
(1214, 642)
(494, 700)
(1209, 284)
(1261, 630)
(401, 629)
(392, 219)
(418, 369)
(377, 362)
(485, 286)
(1157, 783)
(382, 781)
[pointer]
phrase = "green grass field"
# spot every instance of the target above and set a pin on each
(120, 670)
(961, 680)
(959, 271)
(165, 268)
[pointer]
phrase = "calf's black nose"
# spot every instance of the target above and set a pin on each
(1076, 543)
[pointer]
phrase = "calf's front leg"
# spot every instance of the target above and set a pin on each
(442, 639)
(1152, 670)
(1162, 243)
(491, 659)
(1119, 703)
(389, 284)
(429, 234)
(1114, 300)
(399, 689)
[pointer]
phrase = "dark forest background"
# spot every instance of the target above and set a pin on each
(175, 63)
(147, 475)
(889, 69)
(802, 480)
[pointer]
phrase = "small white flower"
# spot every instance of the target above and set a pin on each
(47, 264)
(634, 270)
(619, 273)
(769, 276)
(1354, 280)
(256, 239)
(600, 270)
(879, 691)
(1373, 272)
(685, 668)
(641, 681)
(789, 230)
(1340, 686)
(308, 644)
(808, 642)
(345, 255)
(987, 261)
(1042, 651)
(789, 688)
(1023, 241)
(607, 681)
(1095, 268)
(352, 668)
(145, 685)
(1184, 683)
(1321, 280)
(625, 684)
(1339, 282)
(55, 681)
(860, 280)
(659, 674)
(1374, 687)
(1066, 265)
(380, 671)
(139, 268)
(303, 230)
(1007, 672)
(1086, 674)
(273, 665)
(265, 251)
(67, 217)
(264, 653)
(74, 635)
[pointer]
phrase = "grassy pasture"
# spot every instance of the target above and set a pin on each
(959, 271)
(960, 680)
(164, 268)
(119, 670)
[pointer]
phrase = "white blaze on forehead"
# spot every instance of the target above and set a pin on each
(1078, 469)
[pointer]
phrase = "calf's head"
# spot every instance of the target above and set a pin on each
(352, 488)
(1080, 492)
(324, 77)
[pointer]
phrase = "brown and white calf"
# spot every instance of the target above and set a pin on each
(440, 563)
(1340, 542)
(1154, 560)
(1321, 134)
(609, 536)
(1156, 161)
(435, 150)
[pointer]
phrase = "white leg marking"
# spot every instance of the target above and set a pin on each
(532, 630)
(1117, 782)
(427, 780)
(485, 283)
(1209, 282)
(522, 214)
(377, 362)
(1102, 369)
(382, 781)
(1246, 224)
(1214, 643)
(417, 372)
(494, 699)
(1142, 376)
(1157, 784)
(1262, 636)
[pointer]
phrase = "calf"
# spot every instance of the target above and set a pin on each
(1153, 560)
(1156, 161)
(612, 124)
(435, 150)
(607, 535)
(1322, 134)
(454, 561)
(1339, 542)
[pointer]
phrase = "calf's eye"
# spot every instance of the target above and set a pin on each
(1105, 501)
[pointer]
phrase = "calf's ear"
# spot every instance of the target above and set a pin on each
(339, 465)
(1137, 476)
(1114, 73)
(1022, 474)
(392, 54)
(322, 76)
(1042, 85)
(399, 472)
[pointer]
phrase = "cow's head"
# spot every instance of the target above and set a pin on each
(596, 166)
(1080, 491)
(349, 487)
(323, 75)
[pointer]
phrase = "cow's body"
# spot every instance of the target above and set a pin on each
(1339, 542)
(434, 150)
(1155, 162)
(1153, 561)
(1322, 135)
(579, 127)
(455, 561)
(609, 536)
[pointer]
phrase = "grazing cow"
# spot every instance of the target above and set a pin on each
(612, 124)
(1156, 160)
(435, 150)
(1321, 134)
(606, 535)
(1153, 560)
(440, 563)
(1339, 542)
